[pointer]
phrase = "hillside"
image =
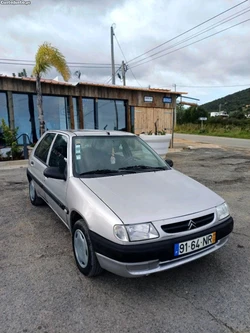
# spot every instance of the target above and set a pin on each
(230, 103)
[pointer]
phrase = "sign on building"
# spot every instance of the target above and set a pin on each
(167, 99)
(148, 99)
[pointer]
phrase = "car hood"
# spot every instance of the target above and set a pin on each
(151, 196)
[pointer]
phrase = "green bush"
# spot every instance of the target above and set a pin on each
(9, 137)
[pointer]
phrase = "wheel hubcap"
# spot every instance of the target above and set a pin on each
(81, 248)
(32, 190)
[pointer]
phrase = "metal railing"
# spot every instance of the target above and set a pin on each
(25, 144)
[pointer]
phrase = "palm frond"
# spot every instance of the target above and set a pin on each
(49, 56)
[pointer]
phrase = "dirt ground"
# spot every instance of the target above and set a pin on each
(42, 291)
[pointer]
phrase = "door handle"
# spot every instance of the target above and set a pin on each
(32, 163)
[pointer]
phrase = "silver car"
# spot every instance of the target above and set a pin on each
(129, 212)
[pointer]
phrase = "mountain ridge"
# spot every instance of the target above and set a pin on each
(238, 101)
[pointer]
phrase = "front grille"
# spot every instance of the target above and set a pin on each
(188, 224)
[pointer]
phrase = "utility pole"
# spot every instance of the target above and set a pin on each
(123, 73)
(112, 53)
(175, 116)
(173, 120)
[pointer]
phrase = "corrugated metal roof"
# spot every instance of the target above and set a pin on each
(51, 81)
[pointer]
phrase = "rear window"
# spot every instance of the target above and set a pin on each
(42, 149)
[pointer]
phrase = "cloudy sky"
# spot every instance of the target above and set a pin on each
(206, 67)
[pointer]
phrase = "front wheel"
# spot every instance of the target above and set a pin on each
(34, 198)
(85, 256)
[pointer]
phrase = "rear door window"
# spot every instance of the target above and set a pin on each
(42, 149)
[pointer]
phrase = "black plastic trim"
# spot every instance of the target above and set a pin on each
(47, 191)
(158, 250)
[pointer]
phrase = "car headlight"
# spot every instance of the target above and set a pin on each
(222, 211)
(135, 232)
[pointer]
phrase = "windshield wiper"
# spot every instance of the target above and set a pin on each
(98, 172)
(103, 172)
(143, 167)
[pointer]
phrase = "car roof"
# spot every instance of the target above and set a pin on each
(92, 132)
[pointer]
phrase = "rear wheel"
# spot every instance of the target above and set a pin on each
(85, 256)
(34, 198)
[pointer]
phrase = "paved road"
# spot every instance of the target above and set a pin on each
(221, 141)
(42, 291)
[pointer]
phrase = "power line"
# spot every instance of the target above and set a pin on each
(110, 78)
(185, 32)
(213, 26)
(227, 86)
(126, 60)
(120, 47)
(68, 62)
(199, 40)
(71, 66)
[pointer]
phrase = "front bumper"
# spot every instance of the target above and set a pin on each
(134, 260)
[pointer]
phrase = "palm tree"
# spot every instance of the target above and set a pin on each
(47, 56)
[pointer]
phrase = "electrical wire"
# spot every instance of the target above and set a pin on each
(70, 66)
(126, 60)
(185, 32)
(110, 78)
(199, 40)
(213, 26)
(69, 62)
(227, 86)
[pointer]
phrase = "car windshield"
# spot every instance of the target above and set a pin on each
(112, 155)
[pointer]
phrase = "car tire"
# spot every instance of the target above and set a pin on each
(84, 253)
(34, 198)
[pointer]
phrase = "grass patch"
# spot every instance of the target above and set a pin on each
(229, 131)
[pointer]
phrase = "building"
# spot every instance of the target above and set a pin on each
(222, 114)
(85, 105)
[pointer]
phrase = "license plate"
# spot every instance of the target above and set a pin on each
(194, 244)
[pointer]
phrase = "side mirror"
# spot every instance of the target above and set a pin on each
(170, 163)
(54, 172)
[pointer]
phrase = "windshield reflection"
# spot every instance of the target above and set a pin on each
(113, 154)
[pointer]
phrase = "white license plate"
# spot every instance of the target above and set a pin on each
(194, 244)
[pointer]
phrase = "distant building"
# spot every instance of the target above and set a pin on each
(222, 114)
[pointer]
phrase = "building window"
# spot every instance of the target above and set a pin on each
(3, 108)
(55, 112)
(111, 114)
(88, 113)
(3, 114)
(26, 117)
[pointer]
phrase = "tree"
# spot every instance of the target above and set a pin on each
(47, 56)
(193, 113)
(180, 112)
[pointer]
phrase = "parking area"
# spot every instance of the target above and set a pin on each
(41, 289)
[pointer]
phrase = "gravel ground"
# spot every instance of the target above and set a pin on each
(41, 289)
